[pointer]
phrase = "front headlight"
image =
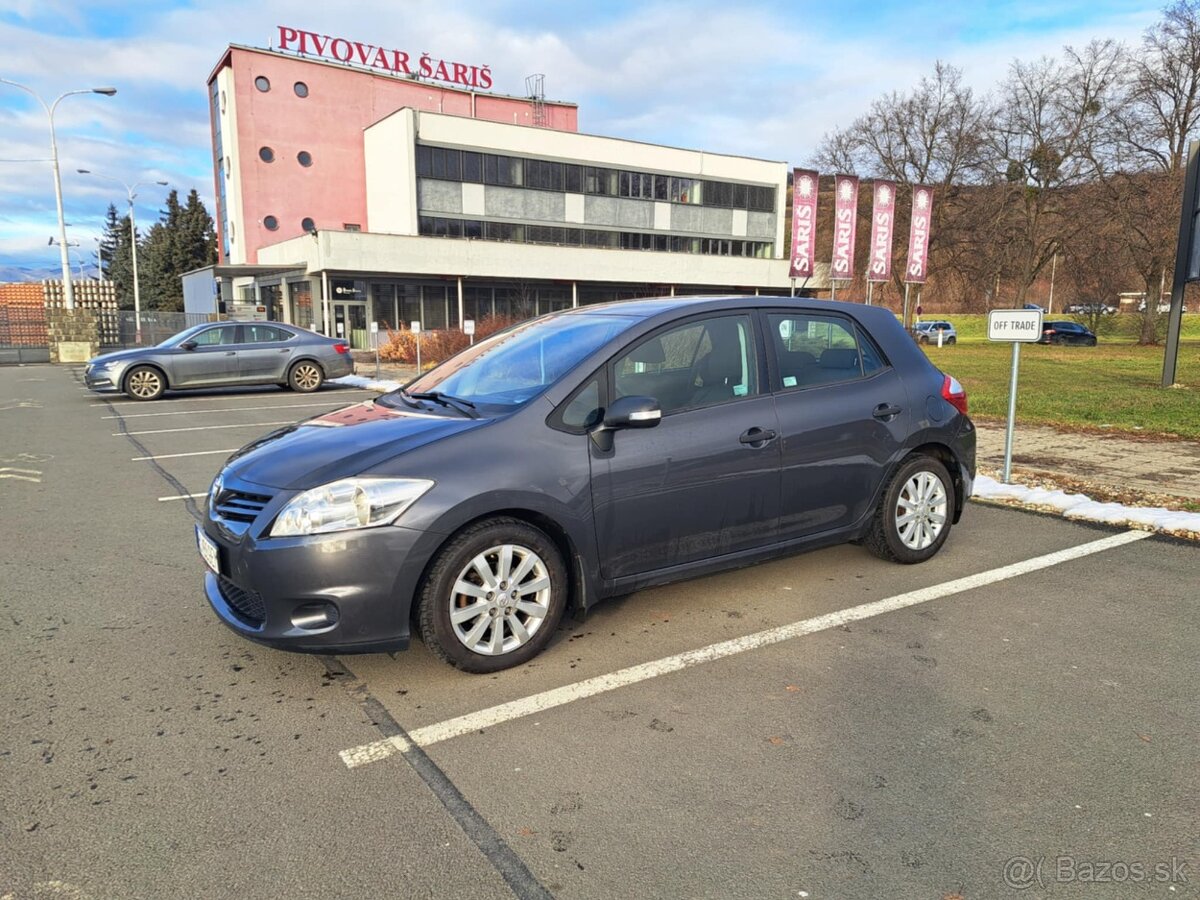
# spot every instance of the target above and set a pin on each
(349, 503)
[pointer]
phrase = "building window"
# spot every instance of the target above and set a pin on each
(304, 158)
(271, 223)
(262, 83)
(266, 154)
(351, 226)
(222, 101)
(308, 224)
(300, 88)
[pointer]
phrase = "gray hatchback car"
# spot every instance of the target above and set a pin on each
(583, 455)
(219, 354)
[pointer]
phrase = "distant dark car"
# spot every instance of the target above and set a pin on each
(1067, 333)
(582, 455)
(220, 354)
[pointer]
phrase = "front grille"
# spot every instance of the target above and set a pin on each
(240, 507)
(247, 604)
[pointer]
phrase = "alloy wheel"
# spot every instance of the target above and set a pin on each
(144, 384)
(921, 510)
(307, 377)
(500, 600)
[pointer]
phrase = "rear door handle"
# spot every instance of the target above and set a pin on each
(757, 437)
(886, 411)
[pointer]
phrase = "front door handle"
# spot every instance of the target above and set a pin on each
(757, 437)
(231, 353)
(886, 411)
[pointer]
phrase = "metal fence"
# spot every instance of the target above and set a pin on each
(155, 327)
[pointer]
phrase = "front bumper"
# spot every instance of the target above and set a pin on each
(368, 578)
(102, 380)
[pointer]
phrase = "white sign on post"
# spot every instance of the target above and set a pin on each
(1016, 326)
(468, 326)
(374, 328)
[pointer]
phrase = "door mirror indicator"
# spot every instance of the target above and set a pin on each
(626, 412)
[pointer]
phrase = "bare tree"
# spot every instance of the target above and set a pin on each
(1049, 118)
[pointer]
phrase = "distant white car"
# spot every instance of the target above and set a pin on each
(927, 332)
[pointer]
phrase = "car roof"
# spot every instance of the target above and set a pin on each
(655, 306)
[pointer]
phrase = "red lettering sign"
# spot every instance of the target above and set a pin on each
(371, 56)
(845, 227)
(804, 220)
(883, 222)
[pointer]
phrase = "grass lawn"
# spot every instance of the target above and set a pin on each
(1114, 385)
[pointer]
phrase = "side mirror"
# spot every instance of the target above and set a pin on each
(188, 345)
(627, 412)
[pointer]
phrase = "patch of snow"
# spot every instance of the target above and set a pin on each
(1080, 506)
(369, 384)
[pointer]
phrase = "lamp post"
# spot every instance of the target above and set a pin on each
(68, 289)
(131, 193)
(100, 258)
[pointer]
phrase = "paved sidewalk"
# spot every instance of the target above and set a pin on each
(1160, 466)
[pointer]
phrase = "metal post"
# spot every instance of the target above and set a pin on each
(904, 313)
(793, 280)
(137, 296)
(870, 287)
(1053, 265)
(832, 288)
(1184, 266)
(1012, 412)
(326, 324)
(460, 303)
(574, 293)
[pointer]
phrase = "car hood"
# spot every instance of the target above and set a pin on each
(118, 355)
(339, 444)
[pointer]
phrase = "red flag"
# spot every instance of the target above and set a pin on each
(804, 222)
(918, 236)
(883, 222)
(845, 227)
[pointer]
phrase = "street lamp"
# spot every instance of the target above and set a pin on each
(68, 289)
(100, 258)
(131, 193)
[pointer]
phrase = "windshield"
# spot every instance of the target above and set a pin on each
(512, 367)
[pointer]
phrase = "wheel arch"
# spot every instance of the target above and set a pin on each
(580, 592)
(947, 458)
(161, 370)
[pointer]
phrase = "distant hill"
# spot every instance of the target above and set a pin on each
(29, 273)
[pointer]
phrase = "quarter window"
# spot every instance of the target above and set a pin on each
(697, 364)
(818, 349)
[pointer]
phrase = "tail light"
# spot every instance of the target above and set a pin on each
(342, 347)
(1048, 331)
(954, 393)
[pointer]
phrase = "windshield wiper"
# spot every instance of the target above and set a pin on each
(466, 407)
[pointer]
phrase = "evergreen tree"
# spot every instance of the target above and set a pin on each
(158, 261)
(119, 262)
(108, 241)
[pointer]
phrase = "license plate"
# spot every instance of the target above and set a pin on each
(208, 550)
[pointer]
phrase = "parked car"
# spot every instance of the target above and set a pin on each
(1085, 309)
(581, 455)
(927, 332)
(220, 354)
(1059, 332)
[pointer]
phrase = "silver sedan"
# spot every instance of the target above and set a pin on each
(222, 354)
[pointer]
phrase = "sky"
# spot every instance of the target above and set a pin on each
(760, 79)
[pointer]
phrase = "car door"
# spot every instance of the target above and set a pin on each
(705, 481)
(843, 415)
(264, 353)
(213, 360)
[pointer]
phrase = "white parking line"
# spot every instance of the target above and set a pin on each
(204, 428)
(177, 455)
(226, 398)
(505, 712)
(183, 497)
(196, 412)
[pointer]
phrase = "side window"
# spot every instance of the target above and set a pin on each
(262, 334)
(818, 349)
(701, 363)
(215, 336)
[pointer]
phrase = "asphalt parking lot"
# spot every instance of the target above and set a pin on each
(1019, 715)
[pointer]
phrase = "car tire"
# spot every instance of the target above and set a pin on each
(471, 611)
(144, 383)
(922, 340)
(1091, 342)
(951, 340)
(916, 511)
(305, 376)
